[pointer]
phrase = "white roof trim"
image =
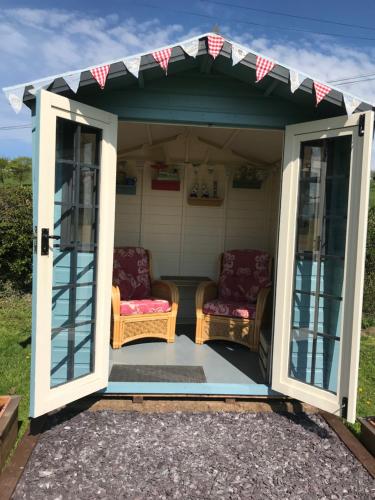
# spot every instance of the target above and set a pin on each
(198, 37)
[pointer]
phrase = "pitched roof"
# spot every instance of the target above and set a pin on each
(130, 65)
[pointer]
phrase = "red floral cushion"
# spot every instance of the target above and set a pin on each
(145, 306)
(130, 273)
(230, 309)
(244, 273)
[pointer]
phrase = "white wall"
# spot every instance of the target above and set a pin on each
(186, 239)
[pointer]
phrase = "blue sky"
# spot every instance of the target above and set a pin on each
(40, 38)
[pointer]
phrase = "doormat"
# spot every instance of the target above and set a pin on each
(157, 373)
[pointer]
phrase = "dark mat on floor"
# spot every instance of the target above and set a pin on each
(189, 456)
(157, 373)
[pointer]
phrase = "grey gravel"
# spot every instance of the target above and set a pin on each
(110, 455)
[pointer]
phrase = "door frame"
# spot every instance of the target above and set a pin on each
(355, 252)
(49, 107)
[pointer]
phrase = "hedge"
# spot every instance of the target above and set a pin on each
(16, 246)
(15, 237)
(369, 288)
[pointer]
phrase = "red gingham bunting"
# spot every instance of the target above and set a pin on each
(162, 57)
(100, 74)
(321, 91)
(263, 67)
(215, 44)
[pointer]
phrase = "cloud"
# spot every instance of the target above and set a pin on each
(39, 42)
(326, 61)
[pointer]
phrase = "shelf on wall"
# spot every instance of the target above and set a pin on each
(205, 202)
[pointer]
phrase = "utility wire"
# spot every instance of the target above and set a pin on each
(356, 81)
(14, 127)
(353, 77)
(295, 16)
(250, 23)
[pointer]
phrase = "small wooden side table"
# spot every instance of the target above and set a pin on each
(187, 286)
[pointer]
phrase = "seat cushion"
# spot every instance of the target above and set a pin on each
(243, 274)
(144, 306)
(230, 309)
(131, 273)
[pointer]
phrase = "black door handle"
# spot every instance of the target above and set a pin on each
(44, 247)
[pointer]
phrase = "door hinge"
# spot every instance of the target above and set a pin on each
(361, 125)
(35, 239)
(344, 407)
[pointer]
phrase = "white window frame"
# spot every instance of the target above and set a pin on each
(354, 261)
(43, 397)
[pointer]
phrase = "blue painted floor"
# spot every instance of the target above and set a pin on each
(222, 362)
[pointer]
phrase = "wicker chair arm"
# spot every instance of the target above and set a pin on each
(116, 300)
(207, 290)
(166, 290)
(261, 303)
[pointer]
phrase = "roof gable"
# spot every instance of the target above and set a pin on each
(277, 81)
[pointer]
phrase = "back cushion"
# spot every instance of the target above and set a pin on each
(130, 273)
(244, 273)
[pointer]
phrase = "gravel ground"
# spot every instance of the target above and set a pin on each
(111, 455)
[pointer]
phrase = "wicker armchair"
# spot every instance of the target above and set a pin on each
(141, 307)
(233, 308)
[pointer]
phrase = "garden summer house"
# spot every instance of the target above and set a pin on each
(241, 184)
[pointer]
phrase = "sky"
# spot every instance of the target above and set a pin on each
(40, 38)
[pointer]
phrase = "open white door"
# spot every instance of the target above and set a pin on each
(321, 255)
(74, 170)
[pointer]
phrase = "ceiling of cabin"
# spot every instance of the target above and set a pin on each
(177, 143)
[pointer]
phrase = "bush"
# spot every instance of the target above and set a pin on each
(15, 237)
(369, 289)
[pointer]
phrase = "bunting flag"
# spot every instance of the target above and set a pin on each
(351, 103)
(263, 67)
(15, 98)
(215, 44)
(238, 53)
(296, 80)
(44, 84)
(133, 64)
(100, 74)
(73, 81)
(191, 48)
(321, 91)
(162, 57)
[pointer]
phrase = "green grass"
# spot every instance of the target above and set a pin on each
(366, 381)
(15, 329)
(372, 194)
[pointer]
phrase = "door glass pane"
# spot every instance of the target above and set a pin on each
(74, 253)
(319, 261)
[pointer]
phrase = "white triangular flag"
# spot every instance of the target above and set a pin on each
(40, 85)
(351, 103)
(133, 65)
(296, 80)
(15, 98)
(73, 81)
(191, 48)
(238, 53)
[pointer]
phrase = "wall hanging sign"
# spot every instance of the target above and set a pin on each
(166, 177)
(205, 193)
(125, 183)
